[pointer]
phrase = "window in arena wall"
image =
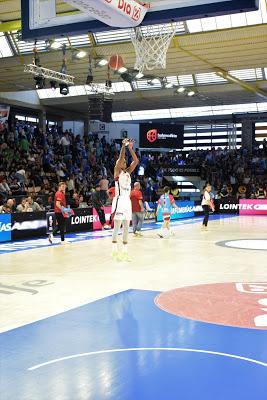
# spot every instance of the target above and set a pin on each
(5, 50)
(260, 131)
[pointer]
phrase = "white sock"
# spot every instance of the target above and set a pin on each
(115, 247)
(125, 248)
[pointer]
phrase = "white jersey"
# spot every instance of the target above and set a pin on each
(206, 198)
(121, 204)
(123, 185)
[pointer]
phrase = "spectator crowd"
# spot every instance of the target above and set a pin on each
(32, 163)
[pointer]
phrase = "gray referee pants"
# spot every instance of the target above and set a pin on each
(137, 221)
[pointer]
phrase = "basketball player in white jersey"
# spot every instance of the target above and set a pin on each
(121, 204)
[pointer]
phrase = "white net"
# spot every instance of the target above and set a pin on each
(151, 44)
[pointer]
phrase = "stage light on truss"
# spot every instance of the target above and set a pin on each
(102, 62)
(191, 93)
(39, 82)
(53, 85)
(139, 75)
(49, 74)
(180, 89)
(122, 70)
(64, 89)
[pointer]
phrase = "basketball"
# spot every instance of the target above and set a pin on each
(115, 62)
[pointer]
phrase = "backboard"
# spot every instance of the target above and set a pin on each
(42, 19)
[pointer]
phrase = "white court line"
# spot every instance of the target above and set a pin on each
(56, 360)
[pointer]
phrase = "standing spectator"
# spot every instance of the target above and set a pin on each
(65, 143)
(59, 206)
(71, 185)
(21, 175)
(138, 211)
(103, 183)
(24, 144)
(98, 204)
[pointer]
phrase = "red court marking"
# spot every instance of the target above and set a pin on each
(236, 304)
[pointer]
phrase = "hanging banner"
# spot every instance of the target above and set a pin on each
(117, 13)
(4, 114)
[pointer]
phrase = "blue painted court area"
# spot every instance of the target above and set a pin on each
(11, 247)
(125, 348)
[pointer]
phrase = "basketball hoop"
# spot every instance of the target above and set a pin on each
(151, 44)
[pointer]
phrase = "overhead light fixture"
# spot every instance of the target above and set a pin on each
(191, 93)
(39, 82)
(102, 62)
(122, 70)
(64, 89)
(53, 44)
(139, 75)
(154, 81)
(180, 89)
(53, 85)
(80, 54)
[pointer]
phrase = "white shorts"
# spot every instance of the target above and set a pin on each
(122, 208)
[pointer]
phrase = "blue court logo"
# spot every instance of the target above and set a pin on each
(5, 227)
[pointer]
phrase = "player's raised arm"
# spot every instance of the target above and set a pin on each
(121, 160)
(135, 161)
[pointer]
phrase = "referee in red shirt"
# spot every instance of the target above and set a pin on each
(138, 211)
(59, 202)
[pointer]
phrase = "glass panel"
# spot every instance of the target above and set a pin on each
(194, 25)
(185, 80)
(5, 50)
(121, 87)
(209, 78)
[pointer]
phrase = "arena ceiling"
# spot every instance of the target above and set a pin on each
(193, 60)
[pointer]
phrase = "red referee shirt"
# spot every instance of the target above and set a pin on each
(59, 196)
(135, 196)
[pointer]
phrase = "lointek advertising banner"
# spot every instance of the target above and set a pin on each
(82, 220)
(96, 223)
(227, 205)
(186, 209)
(253, 207)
